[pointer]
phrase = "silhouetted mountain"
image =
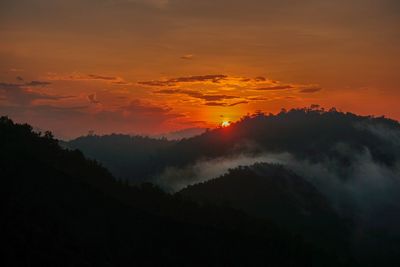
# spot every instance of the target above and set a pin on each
(127, 157)
(311, 134)
(306, 133)
(273, 192)
(181, 134)
(352, 161)
(60, 209)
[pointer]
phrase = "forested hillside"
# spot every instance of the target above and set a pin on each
(339, 174)
(312, 134)
(60, 209)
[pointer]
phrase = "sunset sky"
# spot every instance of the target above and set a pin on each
(153, 66)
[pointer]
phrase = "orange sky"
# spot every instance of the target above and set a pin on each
(151, 66)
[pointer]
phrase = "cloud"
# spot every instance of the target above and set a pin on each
(217, 97)
(37, 83)
(238, 103)
(275, 88)
(179, 91)
(369, 190)
(4, 85)
(99, 77)
(187, 57)
(217, 89)
(215, 104)
(310, 90)
(18, 94)
(257, 98)
(122, 83)
(256, 79)
(201, 78)
(157, 83)
(87, 77)
(190, 79)
(260, 79)
(175, 179)
(223, 104)
(196, 94)
(93, 99)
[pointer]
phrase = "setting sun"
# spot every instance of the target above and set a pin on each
(225, 124)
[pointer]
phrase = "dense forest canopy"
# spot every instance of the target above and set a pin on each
(308, 133)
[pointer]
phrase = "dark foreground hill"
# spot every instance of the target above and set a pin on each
(273, 192)
(59, 209)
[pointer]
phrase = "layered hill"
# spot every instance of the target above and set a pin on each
(312, 134)
(60, 209)
(273, 192)
(352, 162)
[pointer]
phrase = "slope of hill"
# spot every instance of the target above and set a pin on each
(181, 134)
(306, 133)
(127, 157)
(273, 192)
(59, 209)
(353, 161)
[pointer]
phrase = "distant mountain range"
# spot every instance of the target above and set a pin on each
(307, 134)
(181, 134)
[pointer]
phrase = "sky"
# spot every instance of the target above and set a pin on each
(153, 66)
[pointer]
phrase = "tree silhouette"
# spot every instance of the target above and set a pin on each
(59, 208)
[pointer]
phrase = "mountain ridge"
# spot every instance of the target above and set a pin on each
(61, 209)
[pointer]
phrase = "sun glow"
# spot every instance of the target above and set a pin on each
(225, 124)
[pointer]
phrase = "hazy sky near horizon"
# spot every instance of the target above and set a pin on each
(151, 66)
